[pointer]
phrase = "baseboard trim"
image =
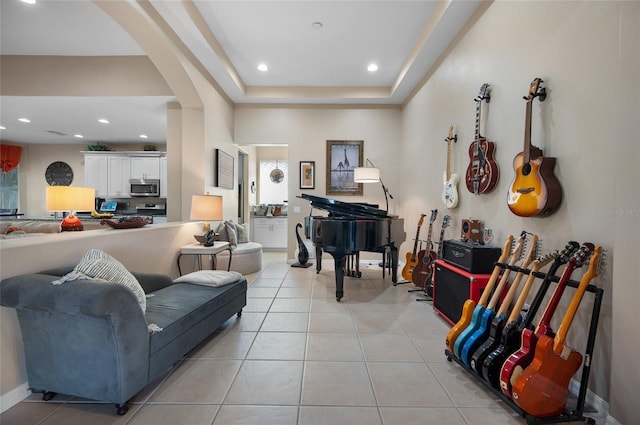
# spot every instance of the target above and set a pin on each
(13, 397)
(595, 401)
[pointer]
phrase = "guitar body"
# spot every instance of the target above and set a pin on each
(509, 344)
(478, 337)
(518, 361)
(461, 325)
(410, 263)
(490, 344)
(542, 388)
(450, 190)
(535, 190)
(468, 331)
(482, 172)
(423, 271)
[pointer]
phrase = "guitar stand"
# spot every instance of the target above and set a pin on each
(575, 415)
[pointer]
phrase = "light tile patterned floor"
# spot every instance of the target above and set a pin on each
(296, 356)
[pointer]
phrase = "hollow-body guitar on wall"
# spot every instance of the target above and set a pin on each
(422, 271)
(450, 180)
(459, 333)
(412, 257)
(518, 361)
(482, 172)
(543, 387)
(535, 190)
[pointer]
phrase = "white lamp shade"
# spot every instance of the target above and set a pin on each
(366, 175)
(70, 198)
(206, 207)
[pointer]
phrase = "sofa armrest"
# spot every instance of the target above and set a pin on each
(152, 282)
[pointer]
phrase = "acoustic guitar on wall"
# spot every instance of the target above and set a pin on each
(482, 172)
(412, 257)
(450, 180)
(535, 190)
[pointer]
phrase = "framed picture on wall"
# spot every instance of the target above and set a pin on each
(342, 157)
(307, 174)
(224, 169)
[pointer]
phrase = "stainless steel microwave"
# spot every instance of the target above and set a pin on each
(144, 187)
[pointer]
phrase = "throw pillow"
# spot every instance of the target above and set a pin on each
(210, 277)
(243, 233)
(222, 230)
(99, 266)
(232, 233)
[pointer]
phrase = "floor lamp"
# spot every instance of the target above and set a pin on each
(371, 175)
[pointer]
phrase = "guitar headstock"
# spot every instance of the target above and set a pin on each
(485, 93)
(519, 246)
(421, 220)
(434, 214)
(531, 252)
(445, 222)
(506, 249)
(452, 137)
(536, 90)
(543, 260)
(580, 257)
(570, 248)
(594, 263)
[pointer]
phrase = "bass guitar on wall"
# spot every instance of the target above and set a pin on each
(482, 172)
(535, 190)
(422, 271)
(412, 257)
(450, 180)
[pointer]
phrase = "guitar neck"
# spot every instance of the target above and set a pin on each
(527, 133)
(449, 160)
(496, 272)
(544, 324)
(476, 140)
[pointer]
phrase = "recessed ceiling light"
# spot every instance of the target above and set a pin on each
(317, 25)
(78, 136)
(263, 67)
(372, 67)
(24, 120)
(28, 1)
(103, 121)
(143, 136)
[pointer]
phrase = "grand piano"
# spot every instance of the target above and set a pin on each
(351, 228)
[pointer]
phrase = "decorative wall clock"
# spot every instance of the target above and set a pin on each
(59, 174)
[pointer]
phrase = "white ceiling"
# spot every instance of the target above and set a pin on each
(306, 65)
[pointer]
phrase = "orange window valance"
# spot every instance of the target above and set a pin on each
(9, 158)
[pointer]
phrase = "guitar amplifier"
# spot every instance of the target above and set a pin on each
(471, 257)
(452, 287)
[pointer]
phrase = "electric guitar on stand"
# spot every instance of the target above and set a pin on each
(450, 190)
(412, 257)
(535, 190)
(543, 387)
(482, 172)
(423, 270)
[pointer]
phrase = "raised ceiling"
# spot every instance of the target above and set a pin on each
(307, 64)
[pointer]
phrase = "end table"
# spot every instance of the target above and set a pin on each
(198, 250)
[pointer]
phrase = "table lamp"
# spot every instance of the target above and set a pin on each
(70, 198)
(371, 175)
(205, 208)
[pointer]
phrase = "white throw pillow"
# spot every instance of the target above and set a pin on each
(210, 277)
(99, 266)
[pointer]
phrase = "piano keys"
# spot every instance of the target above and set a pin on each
(351, 228)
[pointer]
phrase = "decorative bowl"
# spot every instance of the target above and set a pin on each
(201, 238)
(127, 222)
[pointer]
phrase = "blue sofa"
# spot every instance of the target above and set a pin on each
(91, 339)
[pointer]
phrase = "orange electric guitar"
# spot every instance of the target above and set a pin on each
(535, 190)
(542, 388)
(412, 257)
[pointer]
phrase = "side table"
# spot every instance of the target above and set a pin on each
(198, 250)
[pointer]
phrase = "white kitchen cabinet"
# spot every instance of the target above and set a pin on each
(163, 177)
(143, 167)
(119, 174)
(96, 173)
(271, 233)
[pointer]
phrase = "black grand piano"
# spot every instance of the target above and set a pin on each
(351, 228)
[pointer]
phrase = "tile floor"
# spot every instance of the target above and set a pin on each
(296, 356)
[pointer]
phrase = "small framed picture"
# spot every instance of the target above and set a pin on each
(307, 174)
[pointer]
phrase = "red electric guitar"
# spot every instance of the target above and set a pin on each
(542, 388)
(518, 361)
(482, 172)
(535, 190)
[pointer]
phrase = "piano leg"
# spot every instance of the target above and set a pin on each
(318, 259)
(394, 264)
(339, 266)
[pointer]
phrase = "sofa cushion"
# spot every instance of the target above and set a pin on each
(179, 307)
(97, 265)
(210, 277)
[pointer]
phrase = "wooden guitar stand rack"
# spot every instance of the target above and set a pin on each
(576, 415)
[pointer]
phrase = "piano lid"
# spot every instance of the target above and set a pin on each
(345, 208)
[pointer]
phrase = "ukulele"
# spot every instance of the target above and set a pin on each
(450, 181)
(481, 327)
(482, 172)
(512, 332)
(497, 323)
(535, 190)
(518, 361)
(412, 258)
(426, 257)
(461, 331)
(543, 387)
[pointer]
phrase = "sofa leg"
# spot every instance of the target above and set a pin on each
(239, 314)
(122, 408)
(48, 395)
